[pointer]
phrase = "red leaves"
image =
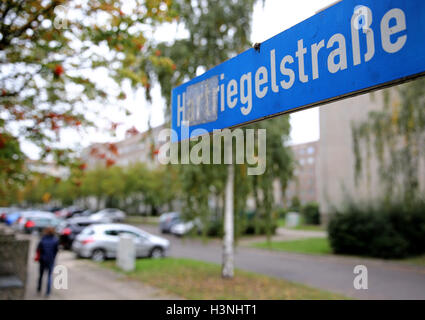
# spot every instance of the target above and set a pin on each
(158, 53)
(54, 126)
(132, 132)
(113, 149)
(174, 67)
(109, 162)
(114, 126)
(83, 166)
(3, 92)
(2, 141)
(59, 70)
(94, 151)
(19, 115)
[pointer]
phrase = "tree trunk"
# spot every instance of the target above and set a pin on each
(228, 268)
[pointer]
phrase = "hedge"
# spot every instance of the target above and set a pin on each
(383, 231)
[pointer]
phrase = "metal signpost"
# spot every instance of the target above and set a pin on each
(350, 48)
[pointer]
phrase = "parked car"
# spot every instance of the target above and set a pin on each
(24, 216)
(12, 217)
(70, 228)
(167, 220)
(184, 227)
(109, 215)
(4, 212)
(84, 213)
(100, 242)
(74, 212)
(38, 222)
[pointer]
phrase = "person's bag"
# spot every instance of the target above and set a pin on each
(37, 255)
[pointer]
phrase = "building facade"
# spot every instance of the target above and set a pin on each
(136, 147)
(337, 183)
(304, 184)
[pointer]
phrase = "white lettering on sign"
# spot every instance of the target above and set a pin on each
(200, 102)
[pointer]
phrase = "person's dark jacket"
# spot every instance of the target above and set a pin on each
(48, 248)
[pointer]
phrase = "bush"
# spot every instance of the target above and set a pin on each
(215, 228)
(260, 227)
(311, 213)
(280, 213)
(244, 225)
(383, 231)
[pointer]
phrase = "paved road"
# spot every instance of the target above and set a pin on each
(387, 280)
(88, 281)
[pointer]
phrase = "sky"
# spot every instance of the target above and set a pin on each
(269, 19)
(275, 17)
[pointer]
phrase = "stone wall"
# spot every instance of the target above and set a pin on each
(13, 264)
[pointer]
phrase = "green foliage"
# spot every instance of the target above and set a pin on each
(49, 51)
(382, 230)
(11, 165)
(125, 188)
(306, 246)
(295, 204)
(217, 31)
(311, 213)
(397, 136)
(280, 213)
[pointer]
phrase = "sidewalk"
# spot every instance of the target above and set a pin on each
(88, 281)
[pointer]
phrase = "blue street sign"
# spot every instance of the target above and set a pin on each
(350, 48)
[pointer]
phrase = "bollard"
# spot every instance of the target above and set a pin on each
(126, 253)
(292, 219)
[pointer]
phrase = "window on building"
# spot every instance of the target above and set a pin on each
(310, 150)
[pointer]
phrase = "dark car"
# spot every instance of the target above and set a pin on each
(69, 229)
(167, 220)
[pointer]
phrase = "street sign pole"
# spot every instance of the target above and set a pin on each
(228, 264)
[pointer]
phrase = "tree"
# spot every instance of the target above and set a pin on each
(217, 31)
(10, 171)
(49, 52)
(397, 136)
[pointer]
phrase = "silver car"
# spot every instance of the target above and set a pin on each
(100, 242)
(108, 215)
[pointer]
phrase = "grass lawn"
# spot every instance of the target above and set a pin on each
(309, 246)
(192, 279)
(282, 223)
(418, 261)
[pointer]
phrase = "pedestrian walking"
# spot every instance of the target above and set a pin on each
(46, 253)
